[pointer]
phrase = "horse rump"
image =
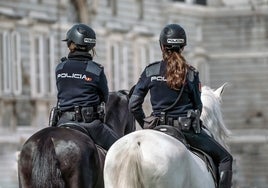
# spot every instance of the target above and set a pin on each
(59, 157)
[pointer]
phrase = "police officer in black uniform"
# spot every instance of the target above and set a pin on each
(165, 79)
(82, 86)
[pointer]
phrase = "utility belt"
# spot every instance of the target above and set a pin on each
(78, 113)
(81, 114)
(191, 121)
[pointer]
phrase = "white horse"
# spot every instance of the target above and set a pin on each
(152, 159)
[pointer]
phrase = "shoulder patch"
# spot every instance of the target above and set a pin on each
(153, 69)
(63, 59)
(191, 73)
(192, 68)
(94, 68)
(62, 63)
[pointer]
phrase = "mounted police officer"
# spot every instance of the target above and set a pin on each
(172, 79)
(82, 87)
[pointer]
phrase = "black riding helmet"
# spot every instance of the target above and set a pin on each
(173, 37)
(81, 35)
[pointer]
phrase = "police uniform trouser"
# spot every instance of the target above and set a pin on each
(101, 133)
(220, 155)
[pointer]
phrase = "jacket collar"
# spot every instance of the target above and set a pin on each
(80, 55)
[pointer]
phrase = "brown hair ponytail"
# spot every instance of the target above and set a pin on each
(176, 68)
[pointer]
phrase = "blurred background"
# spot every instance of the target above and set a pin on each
(227, 42)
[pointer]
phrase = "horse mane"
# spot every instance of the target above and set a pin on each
(212, 116)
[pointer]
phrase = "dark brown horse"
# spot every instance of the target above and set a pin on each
(56, 157)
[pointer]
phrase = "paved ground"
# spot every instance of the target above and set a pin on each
(8, 170)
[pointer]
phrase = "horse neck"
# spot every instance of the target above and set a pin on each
(212, 117)
(118, 117)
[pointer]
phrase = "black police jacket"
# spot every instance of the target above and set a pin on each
(80, 82)
(162, 96)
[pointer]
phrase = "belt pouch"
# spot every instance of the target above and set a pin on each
(162, 120)
(87, 113)
(54, 117)
(196, 126)
(150, 122)
(185, 123)
(77, 113)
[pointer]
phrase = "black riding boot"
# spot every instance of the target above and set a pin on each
(225, 171)
(225, 179)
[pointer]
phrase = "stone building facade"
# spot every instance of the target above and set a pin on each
(227, 42)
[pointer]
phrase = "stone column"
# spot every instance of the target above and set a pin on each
(8, 120)
(40, 113)
(199, 60)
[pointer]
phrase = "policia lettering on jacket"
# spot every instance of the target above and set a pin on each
(74, 75)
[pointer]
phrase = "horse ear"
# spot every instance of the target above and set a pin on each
(218, 92)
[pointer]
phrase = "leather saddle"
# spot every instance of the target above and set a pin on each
(74, 126)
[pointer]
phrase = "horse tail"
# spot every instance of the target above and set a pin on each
(128, 172)
(133, 160)
(46, 172)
